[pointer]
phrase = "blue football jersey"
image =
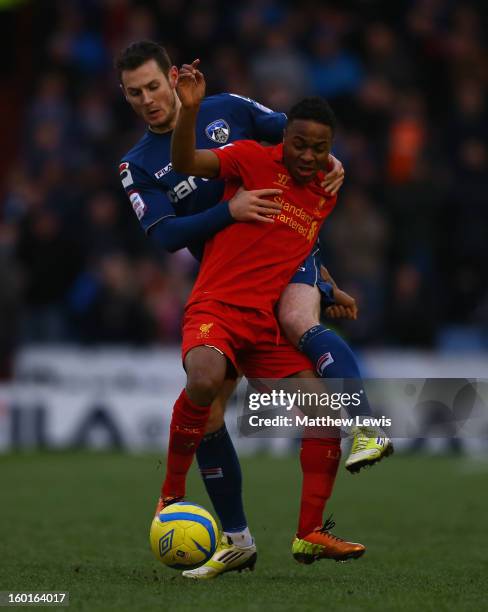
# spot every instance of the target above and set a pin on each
(156, 191)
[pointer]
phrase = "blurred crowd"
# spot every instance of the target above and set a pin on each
(408, 81)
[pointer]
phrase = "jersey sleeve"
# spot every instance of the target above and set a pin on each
(149, 202)
(266, 124)
(233, 156)
(191, 232)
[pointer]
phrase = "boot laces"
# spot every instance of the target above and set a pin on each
(362, 438)
(360, 442)
(330, 524)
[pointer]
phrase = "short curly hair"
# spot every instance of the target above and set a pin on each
(315, 109)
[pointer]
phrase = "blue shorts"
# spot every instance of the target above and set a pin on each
(308, 273)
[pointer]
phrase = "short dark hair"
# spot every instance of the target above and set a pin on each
(315, 109)
(139, 53)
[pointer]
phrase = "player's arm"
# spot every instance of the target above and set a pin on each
(174, 233)
(255, 205)
(157, 215)
(184, 156)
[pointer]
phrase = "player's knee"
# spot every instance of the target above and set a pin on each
(203, 386)
(205, 371)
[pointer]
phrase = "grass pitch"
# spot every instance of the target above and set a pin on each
(79, 522)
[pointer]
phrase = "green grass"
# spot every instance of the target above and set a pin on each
(79, 522)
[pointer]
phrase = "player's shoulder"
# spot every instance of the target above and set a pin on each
(145, 147)
(249, 146)
(220, 98)
(251, 154)
(135, 153)
(221, 103)
(233, 100)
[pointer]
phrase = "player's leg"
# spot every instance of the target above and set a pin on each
(216, 418)
(221, 471)
(320, 454)
(205, 368)
(299, 316)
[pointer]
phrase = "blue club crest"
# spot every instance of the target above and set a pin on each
(218, 131)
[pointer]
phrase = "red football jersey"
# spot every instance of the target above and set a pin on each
(249, 264)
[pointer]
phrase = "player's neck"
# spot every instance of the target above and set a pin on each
(170, 125)
(159, 129)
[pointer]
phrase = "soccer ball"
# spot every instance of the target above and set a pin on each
(183, 536)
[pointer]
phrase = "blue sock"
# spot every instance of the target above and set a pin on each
(333, 358)
(221, 472)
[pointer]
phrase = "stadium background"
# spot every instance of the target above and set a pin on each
(90, 312)
(408, 83)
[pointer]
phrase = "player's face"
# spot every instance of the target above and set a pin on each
(151, 93)
(306, 148)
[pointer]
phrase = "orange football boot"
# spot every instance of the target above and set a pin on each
(321, 544)
(164, 502)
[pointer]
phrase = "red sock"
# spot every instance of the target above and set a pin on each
(185, 434)
(319, 458)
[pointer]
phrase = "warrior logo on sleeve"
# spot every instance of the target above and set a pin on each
(218, 131)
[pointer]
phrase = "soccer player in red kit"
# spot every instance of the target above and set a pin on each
(230, 316)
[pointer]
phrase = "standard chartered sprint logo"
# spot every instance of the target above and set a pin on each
(298, 399)
(296, 218)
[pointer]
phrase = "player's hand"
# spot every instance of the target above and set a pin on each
(339, 311)
(190, 85)
(345, 306)
(252, 205)
(335, 176)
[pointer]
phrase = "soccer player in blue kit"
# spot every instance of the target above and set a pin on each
(179, 211)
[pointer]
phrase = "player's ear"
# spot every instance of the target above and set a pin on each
(173, 76)
(123, 91)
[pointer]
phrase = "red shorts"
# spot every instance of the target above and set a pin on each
(249, 338)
